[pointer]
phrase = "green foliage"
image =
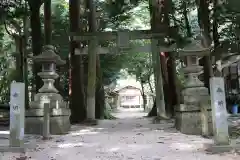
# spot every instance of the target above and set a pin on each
(60, 25)
(1, 36)
(7, 71)
(12, 11)
(117, 9)
(139, 65)
(119, 14)
(6, 76)
(111, 66)
(230, 16)
(136, 17)
(139, 18)
(9, 8)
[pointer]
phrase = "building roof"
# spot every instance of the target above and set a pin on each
(126, 87)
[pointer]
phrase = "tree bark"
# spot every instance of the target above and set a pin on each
(216, 41)
(143, 95)
(36, 38)
(157, 26)
(48, 32)
(25, 55)
(166, 85)
(77, 94)
(153, 111)
(149, 79)
(19, 56)
(47, 22)
(204, 23)
(172, 77)
(100, 94)
(92, 55)
(151, 88)
(215, 24)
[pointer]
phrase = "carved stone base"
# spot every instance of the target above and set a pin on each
(55, 99)
(188, 120)
(59, 121)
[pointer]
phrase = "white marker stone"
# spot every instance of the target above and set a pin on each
(17, 114)
(219, 111)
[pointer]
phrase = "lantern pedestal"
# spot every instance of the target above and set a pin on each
(189, 114)
(59, 111)
(193, 116)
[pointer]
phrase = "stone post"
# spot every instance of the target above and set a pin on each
(189, 118)
(219, 111)
(17, 112)
(59, 111)
(46, 121)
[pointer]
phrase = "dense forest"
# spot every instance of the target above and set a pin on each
(26, 25)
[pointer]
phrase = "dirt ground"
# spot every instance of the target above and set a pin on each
(130, 137)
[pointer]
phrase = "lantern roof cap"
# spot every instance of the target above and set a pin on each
(49, 55)
(195, 47)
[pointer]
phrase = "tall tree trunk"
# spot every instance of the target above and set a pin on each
(48, 32)
(216, 37)
(170, 70)
(166, 85)
(204, 23)
(100, 94)
(19, 56)
(26, 27)
(92, 55)
(215, 24)
(36, 38)
(163, 25)
(157, 27)
(143, 95)
(153, 111)
(77, 94)
(149, 78)
(150, 86)
(172, 77)
(47, 22)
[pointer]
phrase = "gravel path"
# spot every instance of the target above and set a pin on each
(131, 137)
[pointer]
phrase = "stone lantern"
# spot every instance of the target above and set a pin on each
(59, 111)
(194, 94)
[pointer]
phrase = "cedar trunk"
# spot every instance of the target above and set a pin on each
(77, 94)
(100, 94)
(92, 58)
(36, 38)
(204, 23)
(156, 12)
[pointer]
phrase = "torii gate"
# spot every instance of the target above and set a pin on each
(122, 40)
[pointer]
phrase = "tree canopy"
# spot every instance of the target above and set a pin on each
(121, 14)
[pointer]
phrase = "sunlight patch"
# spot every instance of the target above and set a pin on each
(141, 129)
(184, 146)
(70, 145)
(4, 132)
(85, 132)
(130, 147)
(114, 149)
(135, 147)
(79, 144)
